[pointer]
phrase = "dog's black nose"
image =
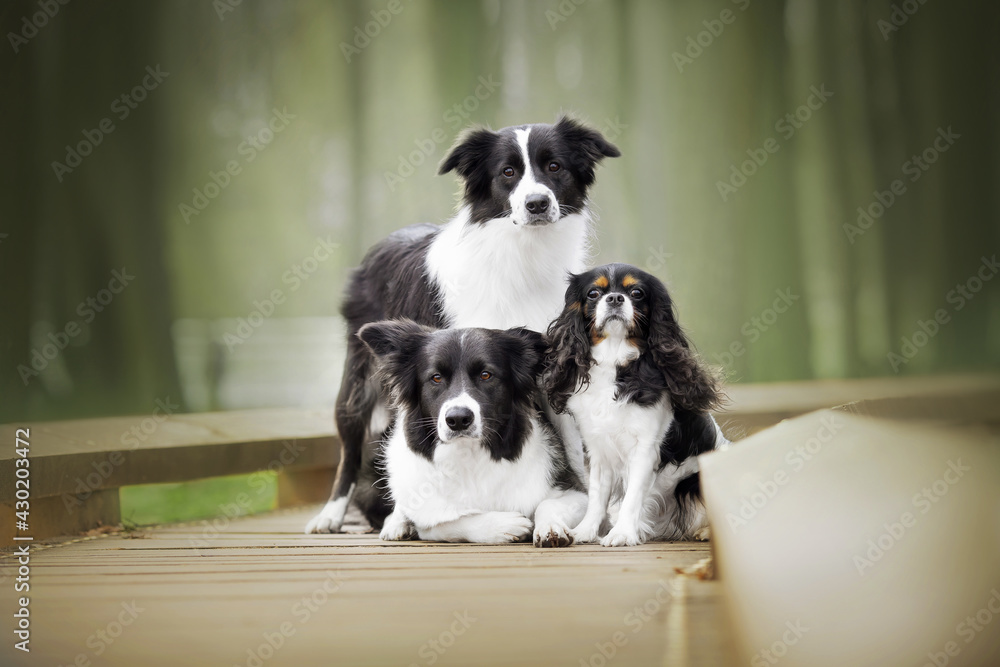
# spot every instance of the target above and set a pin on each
(459, 419)
(614, 299)
(537, 204)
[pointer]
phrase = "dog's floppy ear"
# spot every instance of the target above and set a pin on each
(396, 344)
(590, 145)
(469, 158)
(567, 357)
(691, 385)
(525, 352)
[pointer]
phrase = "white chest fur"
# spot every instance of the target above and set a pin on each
(499, 275)
(612, 428)
(464, 480)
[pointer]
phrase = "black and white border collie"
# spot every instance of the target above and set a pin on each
(501, 262)
(619, 362)
(472, 457)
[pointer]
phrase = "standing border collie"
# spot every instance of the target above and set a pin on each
(619, 362)
(501, 262)
(472, 457)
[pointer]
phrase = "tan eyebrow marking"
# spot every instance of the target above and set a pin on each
(602, 281)
(629, 280)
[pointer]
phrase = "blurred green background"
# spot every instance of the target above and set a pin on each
(261, 147)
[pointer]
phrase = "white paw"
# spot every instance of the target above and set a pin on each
(584, 533)
(503, 527)
(397, 528)
(329, 519)
(703, 534)
(621, 537)
(553, 535)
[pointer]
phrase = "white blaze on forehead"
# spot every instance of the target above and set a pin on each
(528, 186)
(522, 141)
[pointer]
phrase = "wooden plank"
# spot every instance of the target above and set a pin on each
(850, 527)
(50, 517)
(968, 398)
(387, 603)
(76, 457)
(304, 487)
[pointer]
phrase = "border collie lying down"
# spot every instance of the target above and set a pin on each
(501, 262)
(619, 362)
(472, 457)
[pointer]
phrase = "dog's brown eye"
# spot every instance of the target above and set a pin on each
(637, 293)
(436, 378)
(508, 172)
(593, 294)
(485, 375)
(554, 166)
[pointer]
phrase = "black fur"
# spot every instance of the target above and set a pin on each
(666, 364)
(481, 155)
(411, 356)
(392, 281)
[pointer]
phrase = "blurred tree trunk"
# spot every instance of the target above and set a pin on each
(68, 238)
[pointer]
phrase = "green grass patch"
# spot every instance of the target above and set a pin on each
(233, 496)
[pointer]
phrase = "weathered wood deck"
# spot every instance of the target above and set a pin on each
(216, 598)
(257, 592)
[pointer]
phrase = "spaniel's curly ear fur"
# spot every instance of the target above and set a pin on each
(692, 385)
(567, 359)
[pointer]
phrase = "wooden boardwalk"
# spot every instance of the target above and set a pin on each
(255, 592)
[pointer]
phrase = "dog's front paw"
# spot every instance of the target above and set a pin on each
(552, 536)
(503, 527)
(397, 527)
(329, 519)
(584, 533)
(703, 534)
(621, 537)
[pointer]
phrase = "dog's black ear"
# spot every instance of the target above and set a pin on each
(567, 356)
(396, 344)
(590, 145)
(470, 159)
(469, 152)
(525, 352)
(692, 386)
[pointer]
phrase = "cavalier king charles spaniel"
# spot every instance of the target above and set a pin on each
(620, 364)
